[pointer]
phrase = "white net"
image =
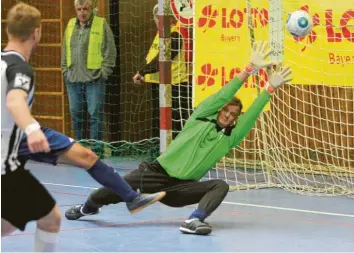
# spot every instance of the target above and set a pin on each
(304, 141)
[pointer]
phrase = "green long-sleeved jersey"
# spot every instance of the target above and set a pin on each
(199, 146)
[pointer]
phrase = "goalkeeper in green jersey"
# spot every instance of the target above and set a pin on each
(214, 128)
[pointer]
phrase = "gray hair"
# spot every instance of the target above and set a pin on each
(80, 2)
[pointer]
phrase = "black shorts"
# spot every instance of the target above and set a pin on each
(23, 198)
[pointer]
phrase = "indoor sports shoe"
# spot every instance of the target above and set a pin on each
(196, 227)
(75, 213)
(143, 200)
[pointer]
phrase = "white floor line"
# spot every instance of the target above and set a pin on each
(71, 186)
(289, 209)
(233, 203)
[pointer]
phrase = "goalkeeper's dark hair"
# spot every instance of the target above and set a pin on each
(236, 102)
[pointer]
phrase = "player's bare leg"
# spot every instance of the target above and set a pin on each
(47, 231)
(6, 228)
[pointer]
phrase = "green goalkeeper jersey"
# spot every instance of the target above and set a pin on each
(199, 146)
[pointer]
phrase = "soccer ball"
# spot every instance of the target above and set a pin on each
(299, 23)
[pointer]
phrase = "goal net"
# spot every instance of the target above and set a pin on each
(125, 117)
(304, 140)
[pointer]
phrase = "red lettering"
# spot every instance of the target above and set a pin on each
(234, 72)
(232, 17)
(263, 77)
(224, 22)
(263, 17)
(259, 80)
(254, 12)
(209, 74)
(343, 23)
(331, 35)
(223, 77)
(239, 22)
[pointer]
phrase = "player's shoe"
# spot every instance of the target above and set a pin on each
(143, 200)
(196, 227)
(75, 212)
(140, 202)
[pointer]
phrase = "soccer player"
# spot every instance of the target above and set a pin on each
(211, 132)
(62, 148)
(24, 199)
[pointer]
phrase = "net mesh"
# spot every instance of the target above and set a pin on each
(130, 113)
(304, 142)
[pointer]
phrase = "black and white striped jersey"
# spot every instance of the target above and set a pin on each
(16, 73)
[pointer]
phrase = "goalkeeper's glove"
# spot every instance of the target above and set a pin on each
(278, 78)
(258, 56)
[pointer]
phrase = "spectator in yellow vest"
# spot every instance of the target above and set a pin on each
(181, 89)
(88, 58)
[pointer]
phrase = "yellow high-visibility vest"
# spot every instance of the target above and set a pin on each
(178, 68)
(94, 54)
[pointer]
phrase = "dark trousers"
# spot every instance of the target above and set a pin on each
(181, 107)
(151, 178)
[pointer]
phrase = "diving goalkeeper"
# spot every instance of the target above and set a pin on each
(211, 132)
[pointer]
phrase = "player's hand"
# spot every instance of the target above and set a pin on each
(258, 56)
(278, 78)
(138, 79)
(37, 142)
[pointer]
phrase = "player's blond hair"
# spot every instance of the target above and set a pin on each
(22, 20)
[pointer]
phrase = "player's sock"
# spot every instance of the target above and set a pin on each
(45, 241)
(198, 214)
(109, 178)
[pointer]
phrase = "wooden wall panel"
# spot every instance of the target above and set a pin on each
(47, 57)
(68, 12)
(49, 81)
(49, 9)
(55, 124)
(51, 33)
(48, 105)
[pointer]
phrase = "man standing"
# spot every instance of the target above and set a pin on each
(88, 58)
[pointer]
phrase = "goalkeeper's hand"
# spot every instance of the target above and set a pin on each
(258, 56)
(278, 78)
(138, 79)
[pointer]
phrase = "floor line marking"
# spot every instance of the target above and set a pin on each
(235, 203)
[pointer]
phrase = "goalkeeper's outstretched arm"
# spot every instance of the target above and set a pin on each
(216, 101)
(247, 121)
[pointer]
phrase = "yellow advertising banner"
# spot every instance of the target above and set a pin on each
(223, 44)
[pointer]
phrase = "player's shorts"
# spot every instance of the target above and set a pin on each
(23, 198)
(58, 143)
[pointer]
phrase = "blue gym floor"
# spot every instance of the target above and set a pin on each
(254, 220)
